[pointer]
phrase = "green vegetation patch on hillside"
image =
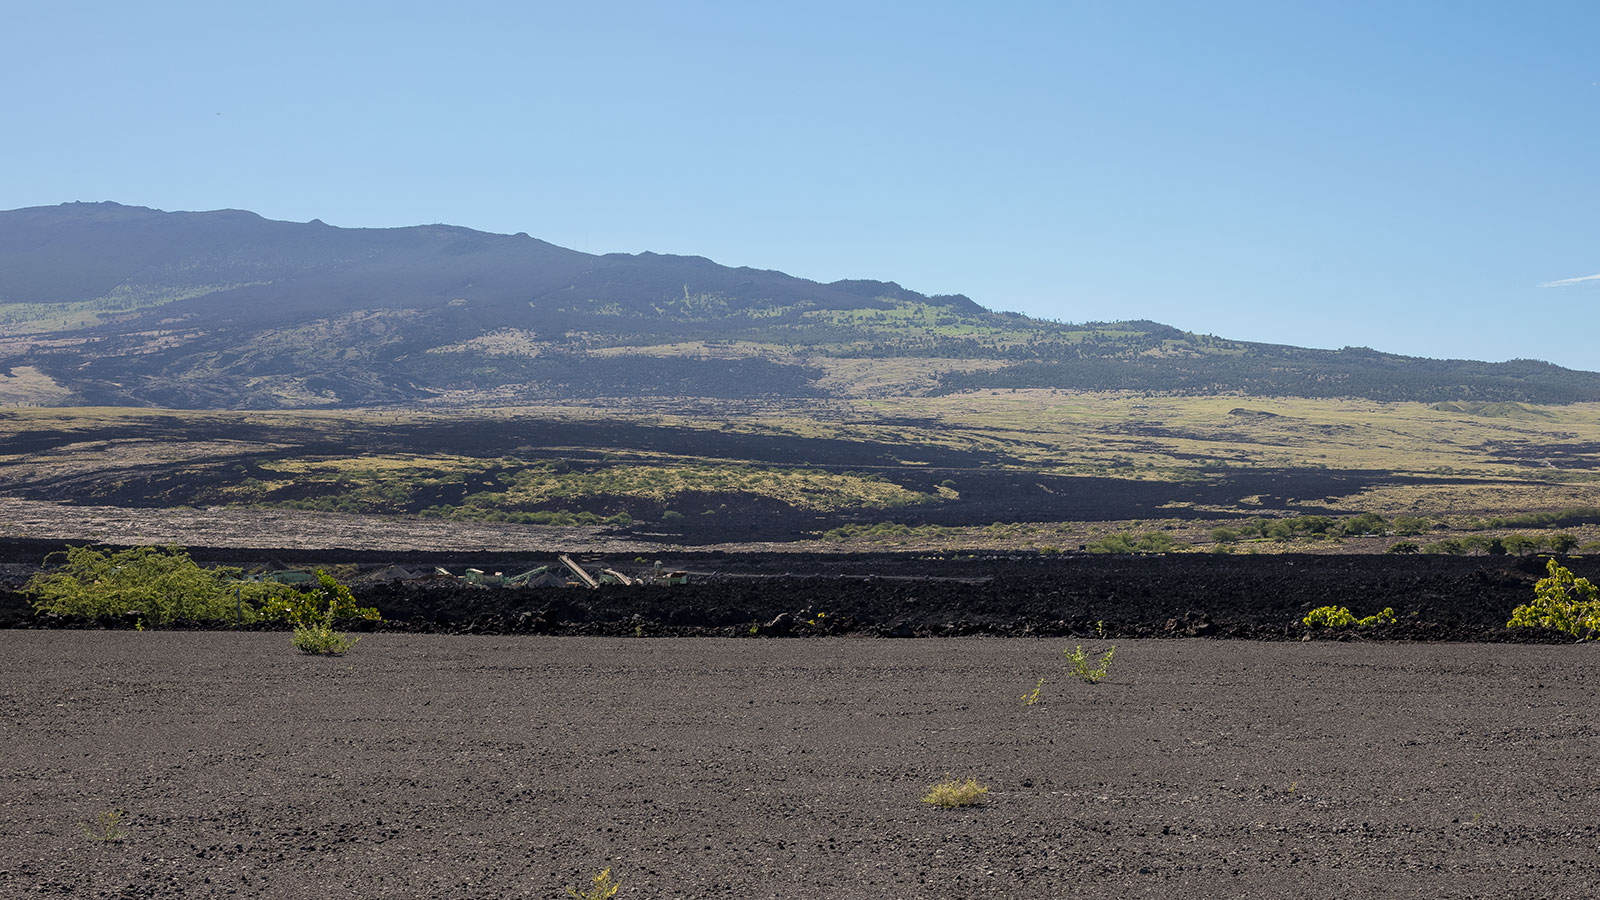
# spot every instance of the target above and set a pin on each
(38, 318)
(799, 488)
(558, 492)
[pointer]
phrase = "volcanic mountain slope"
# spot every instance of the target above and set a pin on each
(105, 304)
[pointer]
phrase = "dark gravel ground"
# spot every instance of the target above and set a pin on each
(432, 766)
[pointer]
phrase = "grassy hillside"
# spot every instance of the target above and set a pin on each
(998, 469)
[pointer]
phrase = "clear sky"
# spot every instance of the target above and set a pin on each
(1418, 177)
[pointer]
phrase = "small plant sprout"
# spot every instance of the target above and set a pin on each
(951, 793)
(1084, 668)
(604, 887)
(1032, 696)
(106, 827)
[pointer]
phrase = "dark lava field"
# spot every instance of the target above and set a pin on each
(1435, 598)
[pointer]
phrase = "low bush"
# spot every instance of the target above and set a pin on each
(314, 613)
(1339, 617)
(1474, 544)
(1522, 544)
(328, 602)
(320, 639)
(883, 530)
(1561, 602)
(161, 584)
(1563, 543)
(1363, 523)
(951, 793)
(1129, 542)
(1314, 527)
(1409, 525)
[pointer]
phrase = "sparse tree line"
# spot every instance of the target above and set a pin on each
(1371, 524)
(1297, 373)
(1498, 545)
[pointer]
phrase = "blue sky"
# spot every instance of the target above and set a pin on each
(1414, 177)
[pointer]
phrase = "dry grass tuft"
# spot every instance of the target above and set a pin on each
(952, 792)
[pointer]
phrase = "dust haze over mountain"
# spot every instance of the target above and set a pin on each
(105, 304)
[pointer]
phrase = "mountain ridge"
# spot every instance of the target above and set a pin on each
(125, 305)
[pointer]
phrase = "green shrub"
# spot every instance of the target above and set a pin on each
(1404, 547)
(1409, 525)
(1339, 617)
(1129, 542)
(1365, 523)
(328, 602)
(884, 530)
(1222, 535)
(1563, 543)
(162, 584)
(1561, 602)
(319, 638)
(1523, 544)
(314, 613)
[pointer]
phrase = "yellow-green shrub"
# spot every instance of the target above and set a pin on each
(319, 638)
(1339, 617)
(1561, 602)
(327, 602)
(162, 583)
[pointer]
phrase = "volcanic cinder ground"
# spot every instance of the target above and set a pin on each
(435, 766)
